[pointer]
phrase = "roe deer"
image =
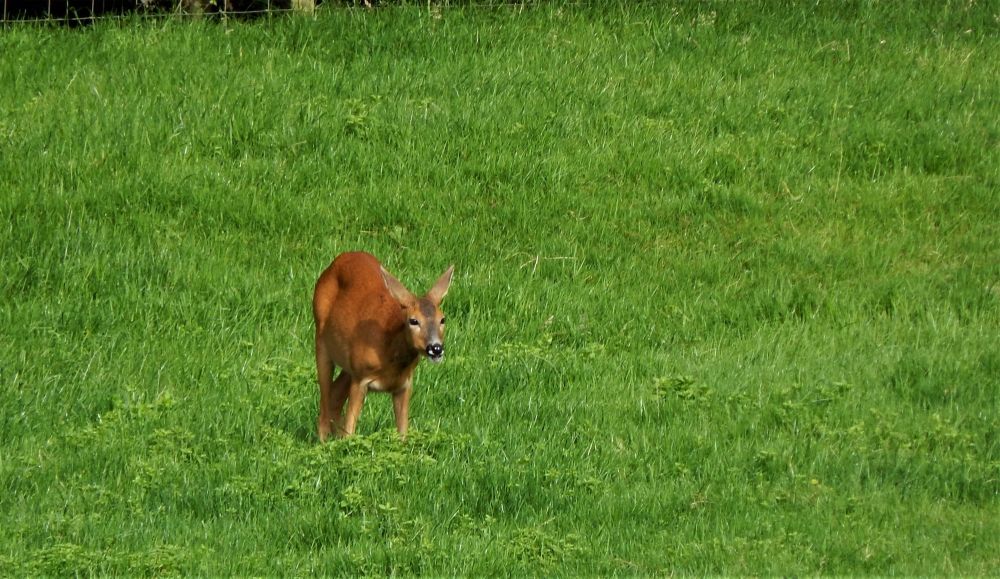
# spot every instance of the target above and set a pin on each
(375, 330)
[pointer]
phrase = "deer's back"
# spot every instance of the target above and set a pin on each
(355, 314)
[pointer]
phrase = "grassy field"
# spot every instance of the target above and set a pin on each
(727, 291)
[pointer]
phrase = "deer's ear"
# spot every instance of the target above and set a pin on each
(396, 289)
(440, 288)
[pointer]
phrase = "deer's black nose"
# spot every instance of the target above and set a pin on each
(435, 350)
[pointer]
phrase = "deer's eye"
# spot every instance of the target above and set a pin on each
(414, 322)
(442, 321)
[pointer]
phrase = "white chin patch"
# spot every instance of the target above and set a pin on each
(437, 360)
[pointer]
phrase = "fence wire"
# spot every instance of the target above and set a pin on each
(72, 14)
(62, 12)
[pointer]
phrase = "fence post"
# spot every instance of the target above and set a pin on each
(304, 5)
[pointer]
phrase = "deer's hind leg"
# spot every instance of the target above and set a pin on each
(328, 417)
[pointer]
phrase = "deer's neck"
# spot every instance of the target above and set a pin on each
(402, 355)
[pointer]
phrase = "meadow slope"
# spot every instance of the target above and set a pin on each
(727, 290)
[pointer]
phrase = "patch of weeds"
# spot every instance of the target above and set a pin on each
(541, 350)
(402, 559)
(63, 559)
(805, 409)
(177, 444)
(163, 560)
(432, 443)
(378, 514)
(483, 527)
(683, 388)
(110, 426)
(537, 548)
(380, 456)
(364, 461)
(238, 493)
(8, 568)
(276, 440)
(571, 481)
(930, 380)
(359, 119)
(99, 497)
(946, 458)
(769, 464)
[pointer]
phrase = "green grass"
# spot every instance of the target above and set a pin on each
(727, 292)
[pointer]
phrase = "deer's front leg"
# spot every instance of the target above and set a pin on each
(355, 400)
(401, 408)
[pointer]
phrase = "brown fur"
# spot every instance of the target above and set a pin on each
(362, 316)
